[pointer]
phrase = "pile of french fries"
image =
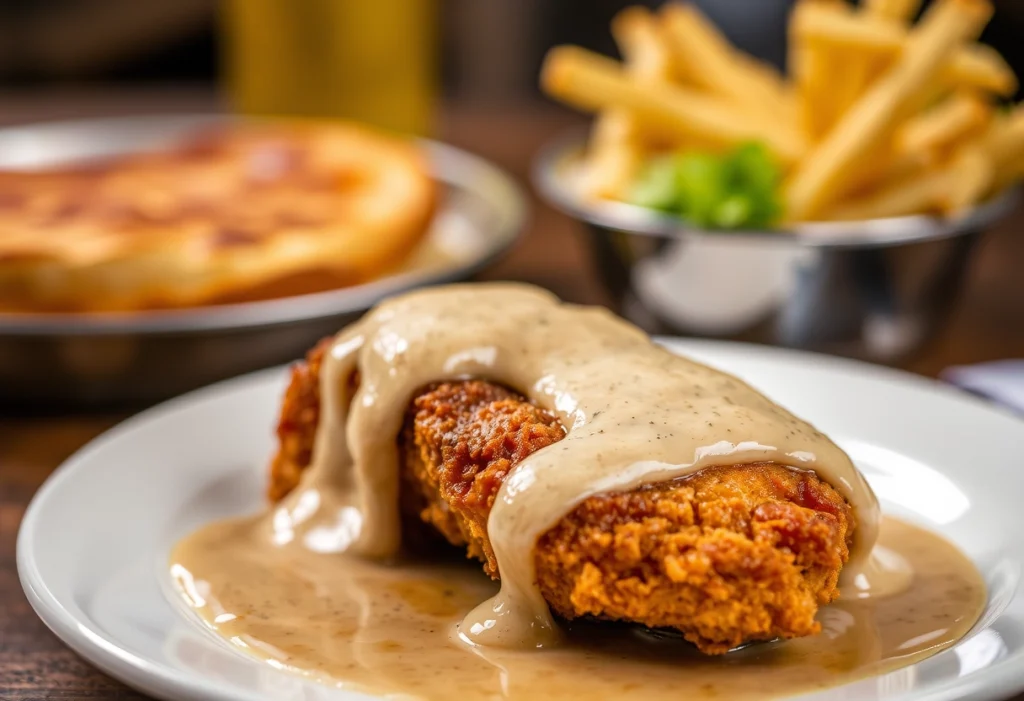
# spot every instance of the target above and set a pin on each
(878, 117)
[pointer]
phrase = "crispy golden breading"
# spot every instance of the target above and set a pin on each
(727, 556)
(296, 426)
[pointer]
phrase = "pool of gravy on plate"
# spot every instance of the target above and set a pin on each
(303, 585)
(386, 628)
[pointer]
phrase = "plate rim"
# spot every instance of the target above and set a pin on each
(93, 645)
(997, 681)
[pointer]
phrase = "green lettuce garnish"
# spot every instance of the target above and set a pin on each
(735, 190)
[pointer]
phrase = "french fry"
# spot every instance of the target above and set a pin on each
(615, 155)
(845, 71)
(923, 192)
(926, 134)
(902, 162)
(970, 175)
(642, 43)
(590, 81)
(982, 67)
(902, 165)
(1008, 176)
(839, 26)
(713, 64)
(974, 65)
(861, 68)
(812, 66)
(824, 175)
(1004, 144)
(899, 167)
(819, 109)
(894, 10)
(856, 71)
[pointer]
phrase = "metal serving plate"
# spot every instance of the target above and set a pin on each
(49, 360)
(875, 289)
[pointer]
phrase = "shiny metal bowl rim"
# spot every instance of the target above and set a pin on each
(272, 312)
(548, 178)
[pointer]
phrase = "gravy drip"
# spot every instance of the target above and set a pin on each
(381, 629)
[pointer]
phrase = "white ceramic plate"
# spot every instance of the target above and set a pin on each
(93, 548)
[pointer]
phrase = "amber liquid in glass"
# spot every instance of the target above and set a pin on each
(373, 61)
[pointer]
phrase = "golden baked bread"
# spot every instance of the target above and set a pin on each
(235, 213)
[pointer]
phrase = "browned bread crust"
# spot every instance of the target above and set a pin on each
(239, 213)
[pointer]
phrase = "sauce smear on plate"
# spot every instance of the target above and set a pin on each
(387, 628)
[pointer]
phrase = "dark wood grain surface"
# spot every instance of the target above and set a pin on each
(988, 323)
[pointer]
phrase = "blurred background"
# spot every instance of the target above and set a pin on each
(485, 52)
(463, 71)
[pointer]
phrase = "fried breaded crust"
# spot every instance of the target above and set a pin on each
(728, 556)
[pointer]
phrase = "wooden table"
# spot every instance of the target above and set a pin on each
(988, 323)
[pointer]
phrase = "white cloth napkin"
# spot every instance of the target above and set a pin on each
(1002, 381)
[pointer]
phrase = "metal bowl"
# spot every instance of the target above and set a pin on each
(873, 289)
(49, 360)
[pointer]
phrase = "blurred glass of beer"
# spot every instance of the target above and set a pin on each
(374, 61)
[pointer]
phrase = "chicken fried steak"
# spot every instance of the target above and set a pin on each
(726, 556)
